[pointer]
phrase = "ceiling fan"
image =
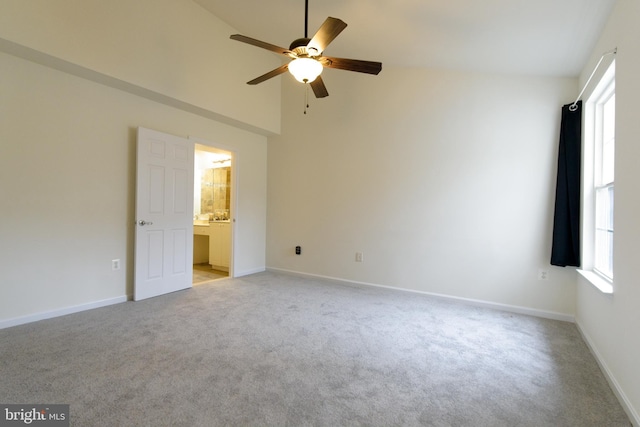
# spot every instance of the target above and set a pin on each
(306, 53)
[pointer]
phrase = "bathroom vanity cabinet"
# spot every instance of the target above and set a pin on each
(219, 244)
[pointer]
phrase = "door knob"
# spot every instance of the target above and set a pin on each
(143, 222)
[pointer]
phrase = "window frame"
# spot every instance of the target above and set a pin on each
(593, 155)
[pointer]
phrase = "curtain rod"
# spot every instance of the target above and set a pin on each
(574, 107)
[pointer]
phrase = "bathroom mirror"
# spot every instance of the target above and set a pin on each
(215, 193)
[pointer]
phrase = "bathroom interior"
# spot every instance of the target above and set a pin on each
(212, 214)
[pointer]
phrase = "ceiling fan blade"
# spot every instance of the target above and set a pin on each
(328, 31)
(263, 45)
(319, 89)
(269, 75)
(369, 67)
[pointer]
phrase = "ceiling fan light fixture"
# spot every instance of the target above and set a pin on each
(305, 70)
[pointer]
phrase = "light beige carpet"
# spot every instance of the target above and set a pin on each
(279, 350)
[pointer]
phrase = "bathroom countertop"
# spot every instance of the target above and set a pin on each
(202, 222)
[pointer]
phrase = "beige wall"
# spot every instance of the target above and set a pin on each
(67, 171)
(172, 49)
(444, 180)
(611, 322)
(67, 140)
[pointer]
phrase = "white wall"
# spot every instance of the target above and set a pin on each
(173, 48)
(67, 144)
(611, 323)
(444, 180)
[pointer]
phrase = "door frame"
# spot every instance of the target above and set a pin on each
(234, 191)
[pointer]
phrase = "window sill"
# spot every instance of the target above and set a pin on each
(600, 283)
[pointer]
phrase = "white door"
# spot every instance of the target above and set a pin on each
(164, 214)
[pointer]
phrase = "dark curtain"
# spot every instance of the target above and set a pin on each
(566, 220)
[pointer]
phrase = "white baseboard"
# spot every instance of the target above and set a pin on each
(611, 379)
(248, 272)
(7, 323)
(478, 303)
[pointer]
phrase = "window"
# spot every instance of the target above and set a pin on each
(599, 164)
(604, 165)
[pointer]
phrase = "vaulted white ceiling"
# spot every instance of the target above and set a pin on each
(540, 37)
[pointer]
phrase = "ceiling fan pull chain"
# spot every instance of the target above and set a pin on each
(306, 97)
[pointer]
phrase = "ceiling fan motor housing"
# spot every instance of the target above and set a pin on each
(299, 46)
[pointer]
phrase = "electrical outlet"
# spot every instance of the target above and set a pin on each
(543, 274)
(115, 264)
(359, 257)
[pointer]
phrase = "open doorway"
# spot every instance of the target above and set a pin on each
(212, 216)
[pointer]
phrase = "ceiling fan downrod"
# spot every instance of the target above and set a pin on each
(306, 18)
